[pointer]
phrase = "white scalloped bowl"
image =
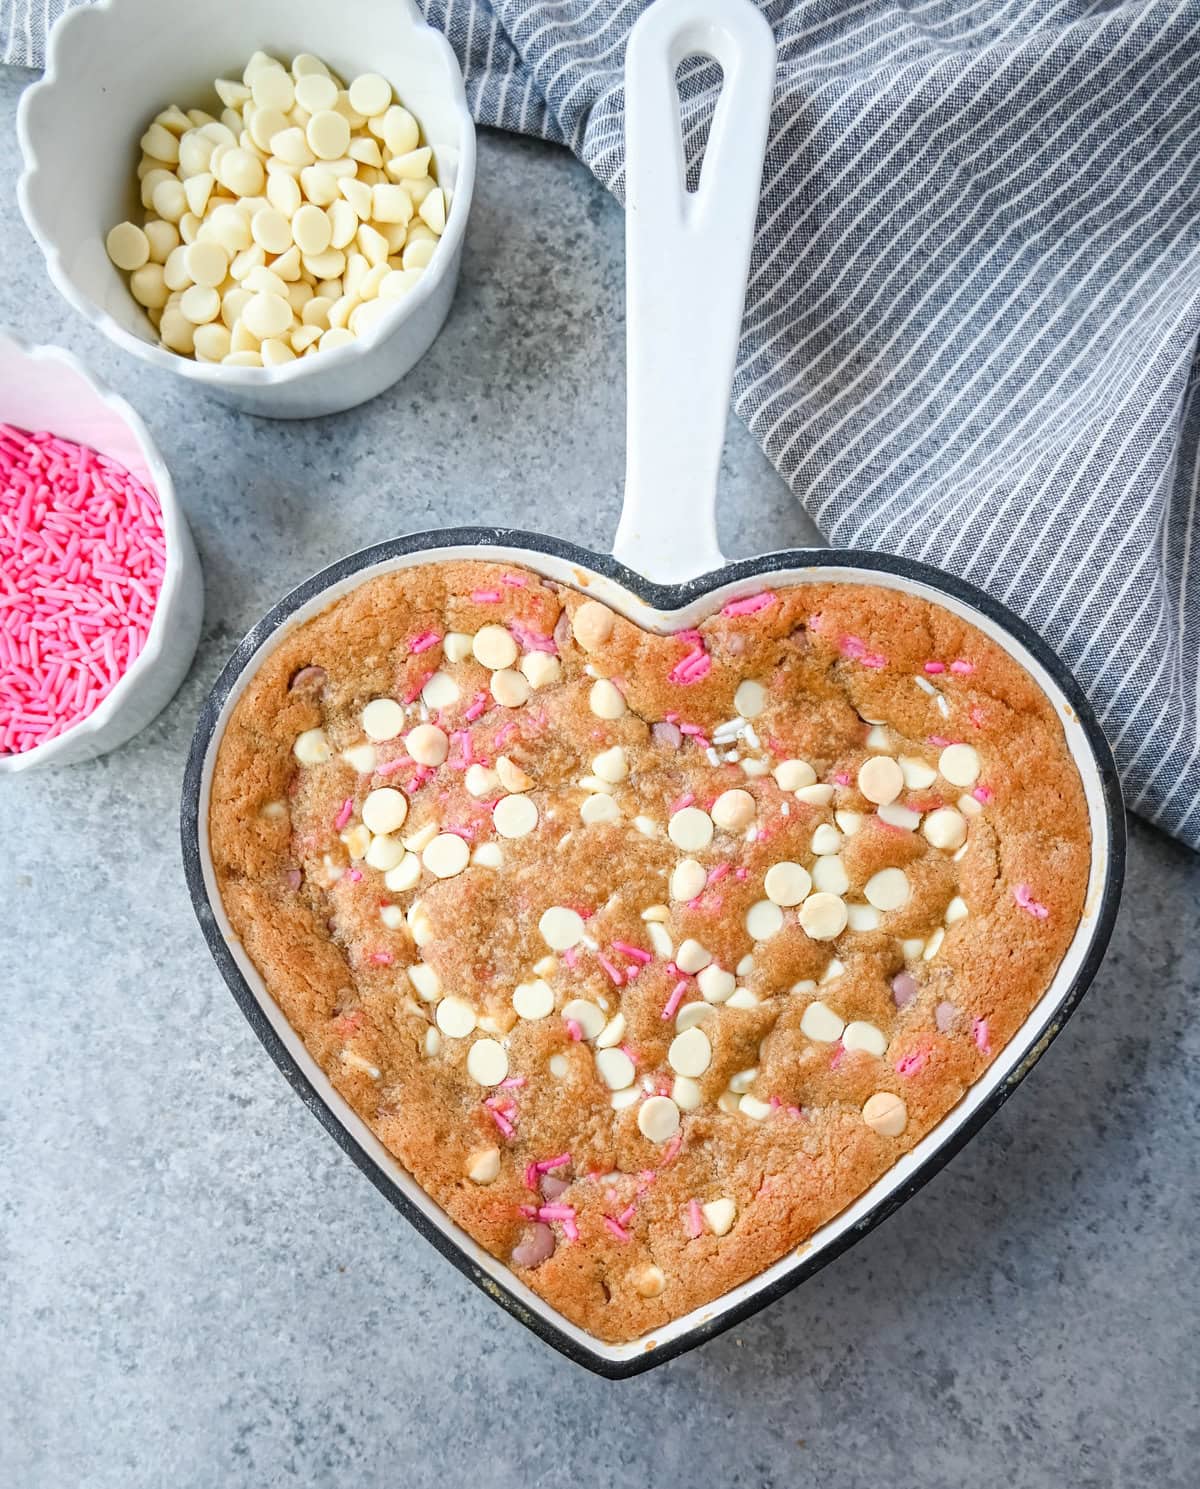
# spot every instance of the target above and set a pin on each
(112, 65)
(43, 387)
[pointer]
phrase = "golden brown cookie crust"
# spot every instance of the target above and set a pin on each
(632, 1246)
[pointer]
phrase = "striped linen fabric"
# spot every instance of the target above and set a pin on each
(971, 323)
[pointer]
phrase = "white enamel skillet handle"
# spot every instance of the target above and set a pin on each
(687, 256)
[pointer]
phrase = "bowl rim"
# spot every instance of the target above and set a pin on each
(663, 598)
(175, 544)
(216, 374)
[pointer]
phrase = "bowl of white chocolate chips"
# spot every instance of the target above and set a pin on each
(283, 227)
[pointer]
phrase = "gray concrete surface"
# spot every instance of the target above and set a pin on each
(198, 1289)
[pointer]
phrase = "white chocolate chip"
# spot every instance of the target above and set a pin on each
(541, 669)
(787, 883)
(385, 809)
(692, 957)
(692, 1014)
(897, 815)
(743, 1080)
(959, 764)
(791, 775)
(750, 699)
(879, 738)
(885, 1114)
(361, 758)
(826, 839)
(685, 1092)
(382, 719)
(494, 648)
(440, 691)
(587, 1015)
(849, 822)
(860, 1035)
(823, 916)
(483, 1166)
(733, 810)
(690, 1053)
(456, 646)
(862, 917)
(889, 889)
(613, 1032)
(487, 1062)
(420, 926)
(392, 916)
(384, 853)
(912, 947)
(455, 1018)
(691, 830)
(816, 796)
(715, 984)
(509, 688)
(752, 1107)
(829, 874)
(945, 828)
(658, 1119)
(647, 826)
(426, 981)
(611, 765)
(968, 806)
(605, 701)
(933, 945)
(592, 624)
(619, 1100)
(446, 855)
(559, 1066)
(533, 1000)
(821, 1024)
(515, 816)
(880, 779)
(312, 748)
(658, 913)
(357, 840)
(743, 998)
(833, 971)
(728, 1102)
(481, 781)
(561, 928)
(956, 910)
(417, 842)
(432, 1041)
(917, 774)
(688, 879)
(764, 919)
(615, 1069)
(599, 809)
(719, 1215)
(427, 744)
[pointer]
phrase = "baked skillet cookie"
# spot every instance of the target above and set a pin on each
(646, 954)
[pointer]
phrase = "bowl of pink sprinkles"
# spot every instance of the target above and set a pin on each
(100, 588)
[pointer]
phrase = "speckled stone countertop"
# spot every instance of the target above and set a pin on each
(198, 1288)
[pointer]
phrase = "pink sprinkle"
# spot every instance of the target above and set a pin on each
(750, 605)
(1024, 897)
(975, 714)
(635, 952)
(423, 642)
(962, 667)
(414, 692)
(613, 971)
(344, 815)
(695, 666)
(774, 1102)
(574, 1030)
(853, 647)
(683, 801)
(556, 1212)
(485, 596)
(82, 554)
(571, 957)
(382, 958)
(715, 875)
(514, 1083)
(694, 1224)
(514, 581)
(531, 1177)
(983, 794)
(504, 734)
(627, 1215)
(570, 1229)
(693, 731)
(875, 660)
(530, 639)
(933, 668)
(617, 1228)
(501, 1121)
(390, 767)
(940, 740)
(912, 1063)
(354, 875)
(529, 1211)
(841, 778)
(548, 1164)
(671, 1150)
(476, 707)
(741, 873)
(462, 749)
(979, 1033)
(836, 1058)
(674, 1000)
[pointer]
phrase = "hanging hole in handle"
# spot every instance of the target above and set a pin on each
(698, 82)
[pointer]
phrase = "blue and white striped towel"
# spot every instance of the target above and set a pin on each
(970, 332)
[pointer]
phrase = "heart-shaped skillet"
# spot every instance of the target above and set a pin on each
(549, 938)
(774, 1165)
